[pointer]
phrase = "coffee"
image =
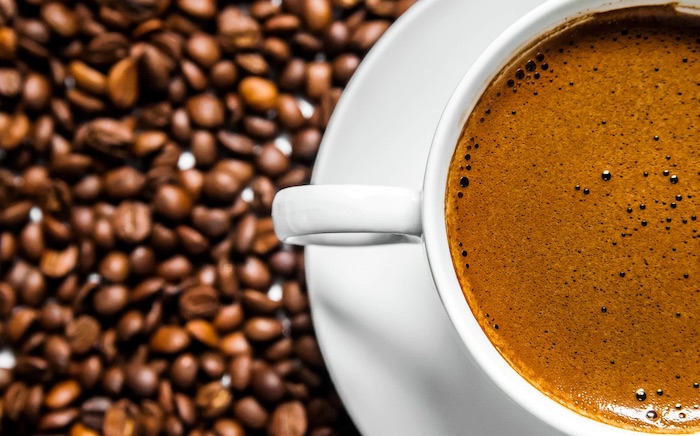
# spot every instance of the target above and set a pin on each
(142, 287)
(571, 211)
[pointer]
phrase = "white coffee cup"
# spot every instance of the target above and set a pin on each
(360, 214)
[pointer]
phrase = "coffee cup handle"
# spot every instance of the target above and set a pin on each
(347, 215)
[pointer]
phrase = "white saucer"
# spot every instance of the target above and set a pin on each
(392, 353)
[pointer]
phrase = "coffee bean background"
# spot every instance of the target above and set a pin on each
(142, 288)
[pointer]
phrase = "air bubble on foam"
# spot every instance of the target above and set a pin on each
(283, 144)
(186, 161)
(35, 215)
(275, 292)
(276, 2)
(7, 358)
(247, 194)
(94, 277)
(306, 108)
(69, 82)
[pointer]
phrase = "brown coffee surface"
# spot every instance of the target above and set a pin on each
(571, 212)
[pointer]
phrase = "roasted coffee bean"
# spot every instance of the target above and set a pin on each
(169, 339)
(293, 75)
(258, 93)
(118, 421)
(183, 371)
(271, 161)
(20, 321)
(235, 344)
(279, 350)
(259, 303)
(198, 8)
(223, 75)
(228, 427)
(240, 371)
(318, 79)
(203, 147)
(142, 260)
(283, 262)
(228, 318)
(141, 379)
(8, 43)
(57, 351)
(123, 83)
(131, 222)
(344, 67)
(115, 267)
(60, 19)
(57, 264)
(237, 143)
(172, 202)
(236, 30)
(149, 142)
(79, 429)
(336, 37)
(212, 365)
(62, 394)
(318, 14)
(89, 372)
(185, 409)
(203, 49)
(262, 329)
(199, 302)
(259, 127)
(163, 239)
(367, 34)
(305, 143)
(294, 300)
(32, 241)
(203, 331)
(93, 411)
(254, 273)
(15, 399)
(277, 50)
(192, 241)
(11, 84)
(251, 413)
(205, 110)
(213, 399)
(35, 400)
(113, 380)
(123, 182)
(8, 299)
(57, 420)
(211, 222)
(82, 333)
(266, 383)
(289, 419)
(111, 299)
(282, 24)
(130, 325)
(289, 113)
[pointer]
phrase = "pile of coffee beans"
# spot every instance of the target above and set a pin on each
(142, 288)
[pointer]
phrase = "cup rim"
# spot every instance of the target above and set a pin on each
(541, 20)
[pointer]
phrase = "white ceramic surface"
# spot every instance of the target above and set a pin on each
(393, 355)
